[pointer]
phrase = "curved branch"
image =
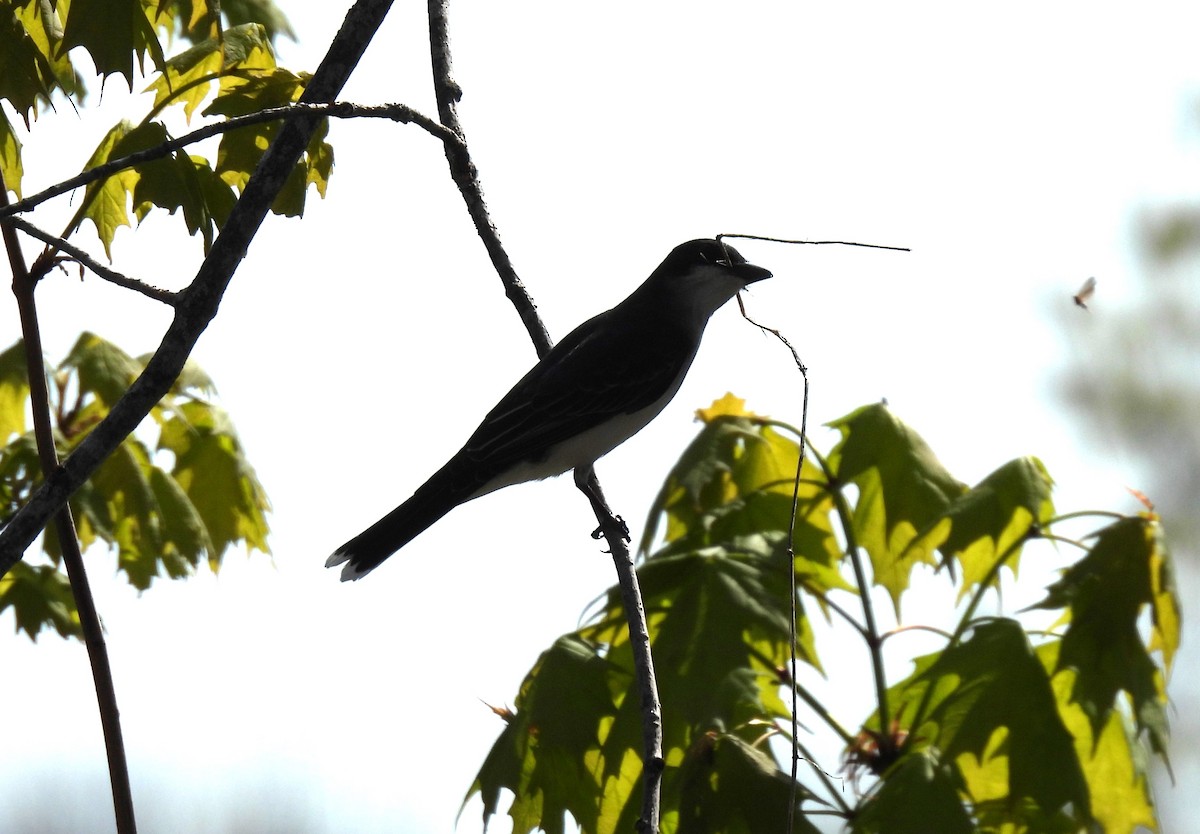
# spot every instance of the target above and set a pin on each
(198, 304)
(466, 177)
(338, 110)
(83, 258)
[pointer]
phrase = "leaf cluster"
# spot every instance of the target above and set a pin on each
(229, 63)
(1002, 730)
(165, 506)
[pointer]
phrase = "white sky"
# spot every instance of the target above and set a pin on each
(357, 348)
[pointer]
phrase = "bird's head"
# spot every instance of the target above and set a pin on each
(701, 275)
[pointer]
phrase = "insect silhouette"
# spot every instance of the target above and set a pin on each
(1085, 293)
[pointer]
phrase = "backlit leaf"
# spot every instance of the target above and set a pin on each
(103, 368)
(541, 752)
(903, 490)
(213, 472)
(918, 796)
(1113, 762)
(730, 786)
(993, 681)
(105, 202)
(114, 32)
(994, 518)
(40, 597)
(1126, 572)
(10, 155)
(26, 73)
(14, 391)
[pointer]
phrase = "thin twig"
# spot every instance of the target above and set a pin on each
(111, 275)
(791, 554)
(337, 110)
(814, 242)
(198, 304)
(466, 177)
(89, 620)
(817, 707)
(827, 780)
(873, 640)
(835, 607)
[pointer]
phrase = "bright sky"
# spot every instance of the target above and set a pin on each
(357, 348)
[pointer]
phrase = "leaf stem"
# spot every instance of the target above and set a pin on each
(870, 628)
(808, 698)
(826, 780)
(985, 585)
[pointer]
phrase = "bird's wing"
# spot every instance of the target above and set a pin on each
(594, 374)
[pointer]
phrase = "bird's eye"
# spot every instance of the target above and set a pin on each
(723, 262)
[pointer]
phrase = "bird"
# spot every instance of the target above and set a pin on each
(603, 383)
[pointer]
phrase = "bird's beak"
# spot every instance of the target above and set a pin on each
(749, 273)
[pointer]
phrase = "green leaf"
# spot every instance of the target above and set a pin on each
(1113, 762)
(259, 11)
(11, 167)
(40, 597)
(728, 785)
(919, 795)
(104, 202)
(903, 490)
(213, 472)
(25, 72)
(14, 391)
(241, 150)
(990, 698)
(718, 627)
(736, 480)
(187, 78)
(1126, 571)
(185, 182)
(541, 754)
(193, 381)
(114, 32)
(103, 368)
(20, 471)
(994, 519)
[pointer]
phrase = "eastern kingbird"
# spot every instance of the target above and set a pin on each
(593, 391)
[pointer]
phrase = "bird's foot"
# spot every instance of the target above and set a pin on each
(598, 533)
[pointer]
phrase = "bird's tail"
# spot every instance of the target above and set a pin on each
(448, 488)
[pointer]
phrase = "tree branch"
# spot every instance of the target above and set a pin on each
(77, 254)
(466, 177)
(89, 619)
(198, 304)
(617, 535)
(339, 110)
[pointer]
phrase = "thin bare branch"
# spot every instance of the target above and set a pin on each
(78, 255)
(89, 619)
(466, 177)
(338, 110)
